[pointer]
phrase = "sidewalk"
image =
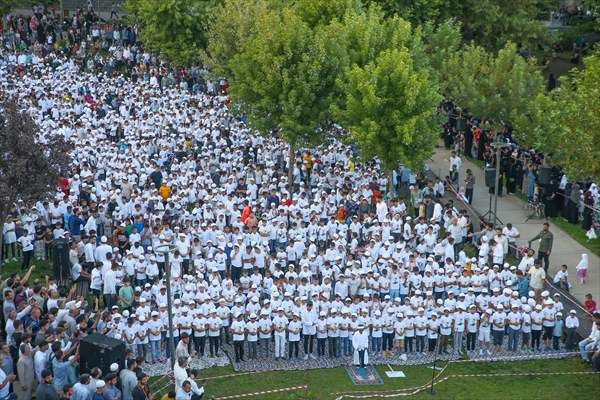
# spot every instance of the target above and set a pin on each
(565, 250)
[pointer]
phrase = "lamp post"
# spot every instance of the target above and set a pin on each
(498, 146)
(165, 249)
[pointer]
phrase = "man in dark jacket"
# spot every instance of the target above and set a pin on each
(46, 391)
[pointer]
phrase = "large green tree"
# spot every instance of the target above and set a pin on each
(441, 42)
(176, 30)
(498, 87)
(489, 23)
(565, 124)
(390, 109)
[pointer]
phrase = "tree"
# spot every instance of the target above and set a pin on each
(29, 169)
(499, 87)
(283, 68)
(390, 108)
(565, 124)
(235, 23)
(416, 11)
(441, 43)
(489, 23)
(176, 30)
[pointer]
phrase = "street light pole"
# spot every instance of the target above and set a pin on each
(171, 343)
(498, 145)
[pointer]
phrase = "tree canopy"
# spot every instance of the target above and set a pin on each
(29, 169)
(176, 30)
(390, 108)
(489, 23)
(565, 124)
(497, 87)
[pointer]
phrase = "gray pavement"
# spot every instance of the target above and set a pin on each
(512, 209)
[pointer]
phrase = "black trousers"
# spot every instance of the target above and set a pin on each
(235, 274)
(27, 256)
(545, 258)
(469, 195)
(432, 343)
(361, 358)
(388, 341)
(408, 344)
(471, 336)
(321, 347)
(293, 348)
(420, 343)
(238, 348)
(199, 344)
(535, 339)
(214, 345)
(308, 344)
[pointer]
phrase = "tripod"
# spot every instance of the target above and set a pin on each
(490, 215)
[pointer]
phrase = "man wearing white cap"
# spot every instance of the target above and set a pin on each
(280, 324)
(360, 343)
(571, 324)
(238, 331)
(100, 387)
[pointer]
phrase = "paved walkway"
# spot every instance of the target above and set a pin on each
(512, 209)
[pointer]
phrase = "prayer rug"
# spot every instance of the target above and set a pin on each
(364, 376)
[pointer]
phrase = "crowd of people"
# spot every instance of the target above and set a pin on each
(276, 259)
(523, 171)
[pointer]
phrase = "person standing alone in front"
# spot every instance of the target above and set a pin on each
(545, 248)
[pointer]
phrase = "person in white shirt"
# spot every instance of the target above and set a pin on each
(180, 374)
(265, 331)
(309, 329)
(472, 322)
(360, 343)
(280, 324)
(294, 329)
(515, 320)
(238, 330)
(512, 234)
(571, 325)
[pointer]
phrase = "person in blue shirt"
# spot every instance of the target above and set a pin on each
(523, 284)
(74, 224)
(112, 392)
(63, 370)
(558, 331)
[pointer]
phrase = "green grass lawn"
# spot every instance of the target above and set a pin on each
(42, 268)
(577, 233)
(325, 383)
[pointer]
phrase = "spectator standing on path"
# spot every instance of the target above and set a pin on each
(469, 186)
(536, 280)
(545, 248)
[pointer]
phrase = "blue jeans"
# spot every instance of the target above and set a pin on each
(584, 347)
(376, 344)
(394, 293)
(345, 346)
(155, 347)
(513, 339)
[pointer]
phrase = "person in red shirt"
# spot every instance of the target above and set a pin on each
(246, 211)
(590, 304)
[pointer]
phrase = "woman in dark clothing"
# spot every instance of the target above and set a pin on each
(588, 210)
(573, 204)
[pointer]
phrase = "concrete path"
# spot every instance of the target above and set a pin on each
(512, 209)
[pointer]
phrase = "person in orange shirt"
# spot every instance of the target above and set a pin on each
(165, 192)
(246, 211)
